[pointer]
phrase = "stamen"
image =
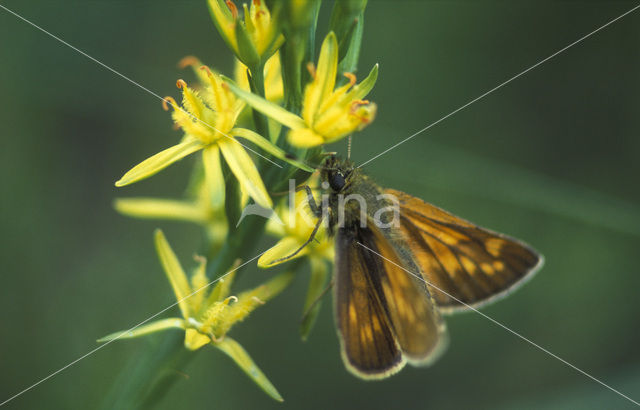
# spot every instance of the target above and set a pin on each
(188, 61)
(354, 108)
(229, 299)
(181, 84)
(207, 69)
(312, 70)
(255, 298)
(169, 100)
(214, 338)
(351, 77)
(233, 8)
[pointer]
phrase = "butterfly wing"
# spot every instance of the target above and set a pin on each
(384, 314)
(369, 348)
(464, 264)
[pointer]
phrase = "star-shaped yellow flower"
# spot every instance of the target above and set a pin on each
(207, 316)
(299, 223)
(208, 120)
(328, 113)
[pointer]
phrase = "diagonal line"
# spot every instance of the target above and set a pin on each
(127, 331)
(505, 327)
(132, 81)
(501, 85)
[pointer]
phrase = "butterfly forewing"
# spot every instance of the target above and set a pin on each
(369, 348)
(463, 263)
(384, 313)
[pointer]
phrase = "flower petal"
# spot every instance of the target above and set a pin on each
(248, 301)
(269, 147)
(245, 171)
(325, 78)
(285, 247)
(305, 138)
(199, 282)
(214, 179)
(158, 208)
(174, 271)
(361, 90)
(224, 21)
(158, 325)
(161, 160)
(268, 108)
(194, 340)
(236, 352)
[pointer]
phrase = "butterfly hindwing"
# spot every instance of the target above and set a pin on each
(461, 261)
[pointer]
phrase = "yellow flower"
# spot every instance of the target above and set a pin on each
(196, 208)
(208, 120)
(328, 113)
(297, 229)
(207, 316)
(299, 223)
(253, 40)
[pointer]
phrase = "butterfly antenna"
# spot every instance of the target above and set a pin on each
(349, 148)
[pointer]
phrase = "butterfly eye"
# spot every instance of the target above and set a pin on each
(336, 181)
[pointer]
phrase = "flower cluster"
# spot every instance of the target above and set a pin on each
(243, 132)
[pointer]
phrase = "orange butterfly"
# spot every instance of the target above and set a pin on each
(400, 262)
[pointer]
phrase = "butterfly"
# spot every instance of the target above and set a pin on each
(400, 263)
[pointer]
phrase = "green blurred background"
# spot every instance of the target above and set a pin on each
(551, 158)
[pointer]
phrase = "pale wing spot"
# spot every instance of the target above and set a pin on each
(487, 268)
(494, 246)
(468, 264)
(353, 315)
(498, 265)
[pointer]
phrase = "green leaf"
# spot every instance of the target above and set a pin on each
(269, 147)
(236, 352)
(268, 108)
(312, 304)
(158, 325)
(174, 271)
(160, 161)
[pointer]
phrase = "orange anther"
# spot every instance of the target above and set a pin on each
(233, 8)
(169, 100)
(312, 70)
(207, 69)
(181, 84)
(187, 61)
(351, 77)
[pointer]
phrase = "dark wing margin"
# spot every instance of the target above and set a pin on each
(464, 264)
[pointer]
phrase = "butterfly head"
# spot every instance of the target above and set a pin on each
(336, 173)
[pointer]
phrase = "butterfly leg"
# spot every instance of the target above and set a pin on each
(297, 251)
(317, 211)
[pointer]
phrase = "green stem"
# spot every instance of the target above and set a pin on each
(149, 377)
(256, 83)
